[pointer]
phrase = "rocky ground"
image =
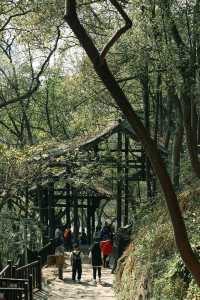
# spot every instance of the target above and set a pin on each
(87, 289)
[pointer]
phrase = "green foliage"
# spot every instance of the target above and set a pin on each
(193, 292)
(154, 255)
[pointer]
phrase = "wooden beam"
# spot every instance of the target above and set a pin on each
(51, 212)
(93, 219)
(75, 211)
(64, 205)
(67, 203)
(119, 181)
(126, 181)
(88, 220)
(70, 197)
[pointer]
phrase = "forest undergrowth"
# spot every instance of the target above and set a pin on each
(151, 267)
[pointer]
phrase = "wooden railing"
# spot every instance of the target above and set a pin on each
(13, 289)
(22, 281)
(34, 270)
(19, 282)
(6, 272)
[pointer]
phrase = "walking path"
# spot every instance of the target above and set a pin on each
(67, 289)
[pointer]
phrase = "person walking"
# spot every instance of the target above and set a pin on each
(59, 252)
(96, 260)
(76, 258)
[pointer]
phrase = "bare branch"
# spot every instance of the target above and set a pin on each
(14, 16)
(36, 80)
(117, 35)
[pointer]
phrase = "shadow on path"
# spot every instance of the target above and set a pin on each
(86, 289)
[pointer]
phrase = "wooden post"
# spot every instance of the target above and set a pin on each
(82, 216)
(25, 233)
(45, 214)
(88, 221)
(30, 283)
(26, 297)
(39, 273)
(75, 206)
(119, 180)
(93, 217)
(9, 271)
(126, 186)
(52, 247)
(14, 267)
(41, 212)
(51, 215)
(68, 219)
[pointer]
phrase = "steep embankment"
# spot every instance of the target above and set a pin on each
(151, 267)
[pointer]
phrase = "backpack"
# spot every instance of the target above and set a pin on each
(76, 258)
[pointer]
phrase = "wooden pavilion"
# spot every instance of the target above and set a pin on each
(57, 197)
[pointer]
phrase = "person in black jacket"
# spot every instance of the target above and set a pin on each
(96, 260)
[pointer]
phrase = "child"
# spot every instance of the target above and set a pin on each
(95, 254)
(76, 263)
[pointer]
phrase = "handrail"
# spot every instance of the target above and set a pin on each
(11, 289)
(28, 265)
(4, 270)
(26, 277)
(34, 270)
(13, 280)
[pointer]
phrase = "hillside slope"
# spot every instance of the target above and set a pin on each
(151, 267)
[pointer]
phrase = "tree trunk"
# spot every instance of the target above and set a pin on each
(191, 129)
(169, 122)
(146, 104)
(178, 137)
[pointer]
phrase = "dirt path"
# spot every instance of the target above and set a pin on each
(67, 289)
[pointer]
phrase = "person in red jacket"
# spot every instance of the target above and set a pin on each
(106, 249)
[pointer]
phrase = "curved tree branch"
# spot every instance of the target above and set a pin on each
(117, 35)
(36, 80)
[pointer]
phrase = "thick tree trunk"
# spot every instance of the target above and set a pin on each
(118, 95)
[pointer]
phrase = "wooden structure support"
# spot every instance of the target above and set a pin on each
(59, 200)
(126, 183)
(119, 180)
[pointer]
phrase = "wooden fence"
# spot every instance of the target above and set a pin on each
(20, 282)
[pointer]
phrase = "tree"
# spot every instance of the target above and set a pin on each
(101, 67)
